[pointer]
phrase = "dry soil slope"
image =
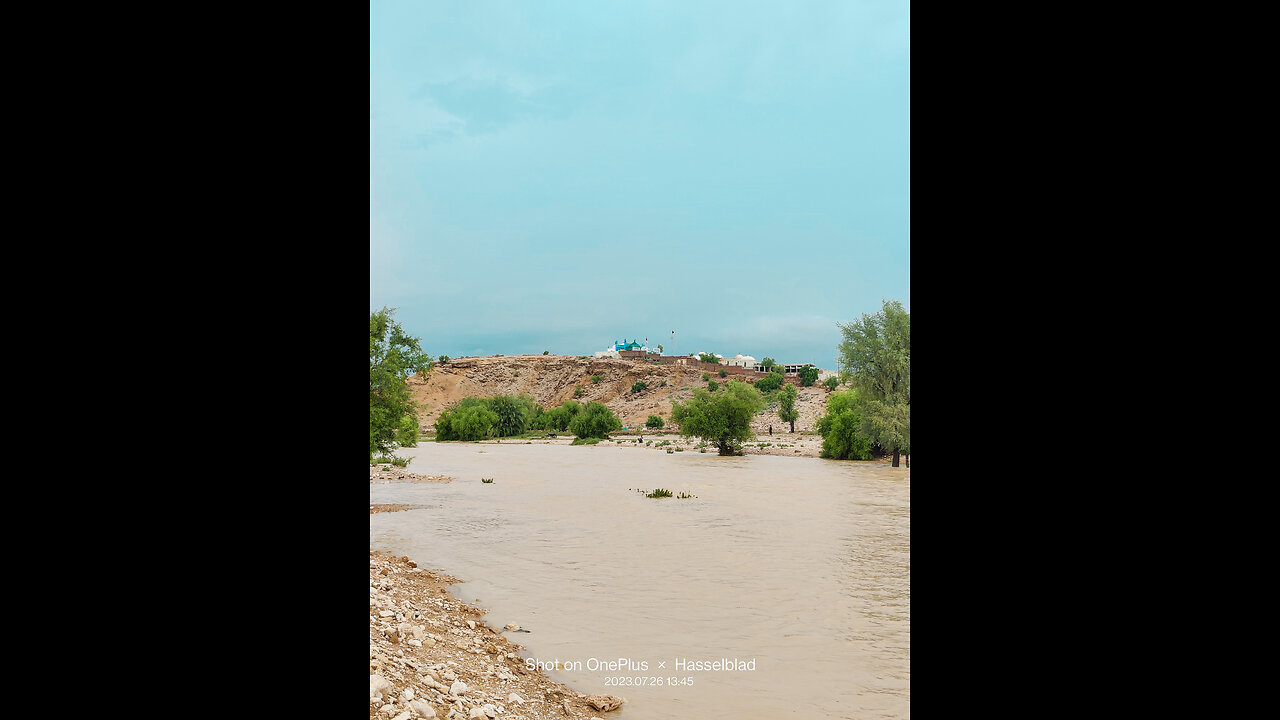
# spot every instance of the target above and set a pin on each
(551, 379)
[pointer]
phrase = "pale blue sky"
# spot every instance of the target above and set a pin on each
(559, 175)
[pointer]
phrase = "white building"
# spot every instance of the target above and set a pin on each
(741, 361)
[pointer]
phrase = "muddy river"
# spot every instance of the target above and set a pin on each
(782, 589)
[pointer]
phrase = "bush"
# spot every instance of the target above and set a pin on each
(546, 352)
(724, 373)
(595, 420)
(808, 374)
(443, 358)
(479, 418)
(595, 379)
(770, 383)
(712, 385)
(577, 391)
(831, 382)
(586, 441)
(706, 377)
(638, 387)
(407, 433)
(660, 493)
(708, 358)
(843, 437)
(654, 421)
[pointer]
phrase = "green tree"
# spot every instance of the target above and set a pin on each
(654, 421)
(659, 349)
(808, 375)
(768, 363)
(841, 426)
(723, 418)
(787, 405)
(708, 358)
(594, 420)
(394, 356)
(875, 357)
(468, 419)
(769, 383)
(407, 433)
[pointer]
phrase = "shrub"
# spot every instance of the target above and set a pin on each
(443, 358)
(712, 385)
(595, 379)
(724, 373)
(577, 391)
(595, 420)
(843, 437)
(770, 383)
(486, 480)
(660, 493)
(654, 421)
(808, 374)
(546, 352)
(708, 358)
(831, 382)
(638, 387)
(706, 377)
(407, 433)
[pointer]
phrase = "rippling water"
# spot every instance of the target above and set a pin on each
(801, 564)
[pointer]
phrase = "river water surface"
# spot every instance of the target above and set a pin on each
(800, 564)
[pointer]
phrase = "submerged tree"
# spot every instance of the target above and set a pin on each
(723, 418)
(394, 356)
(875, 358)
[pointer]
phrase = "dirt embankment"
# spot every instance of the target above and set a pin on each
(431, 656)
(552, 379)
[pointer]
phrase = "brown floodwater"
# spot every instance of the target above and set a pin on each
(798, 567)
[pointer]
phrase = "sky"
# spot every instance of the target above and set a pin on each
(726, 177)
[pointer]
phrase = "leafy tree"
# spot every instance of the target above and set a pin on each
(468, 419)
(443, 359)
(394, 355)
(595, 420)
(841, 427)
(808, 375)
(654, 421)
(712, 385)
(708, 358)
(659, 349)
(768, 363)
(407, 433)
(787, 401)
(513, 414)
(558, 418)
(875, 357)
(770, 383)
(723, 418)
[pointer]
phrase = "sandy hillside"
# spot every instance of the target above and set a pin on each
(551, 379)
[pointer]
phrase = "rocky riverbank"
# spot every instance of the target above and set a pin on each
(431, 656)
